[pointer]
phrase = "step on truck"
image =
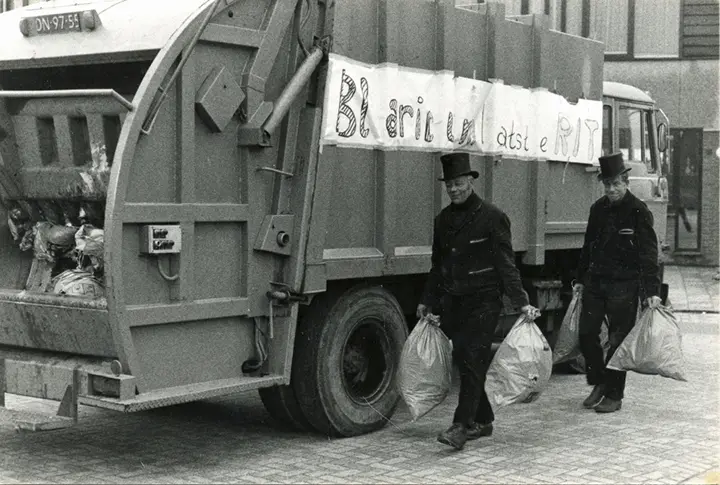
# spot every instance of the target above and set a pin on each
(171, 228)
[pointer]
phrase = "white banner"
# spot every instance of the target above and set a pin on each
(389, 107)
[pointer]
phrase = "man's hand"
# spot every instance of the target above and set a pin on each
(422, 310)
(653, 302)
(578, 288)
(530, 312)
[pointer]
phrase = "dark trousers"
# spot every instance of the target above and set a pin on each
(470, 321)
(618, 300)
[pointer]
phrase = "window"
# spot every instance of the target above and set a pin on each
(630, 128)
(649, 142)
(607, 134)
(657, 28)
(634, 136)
(609, 24)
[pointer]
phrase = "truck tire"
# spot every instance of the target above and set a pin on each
(348, 352)
(281, 403)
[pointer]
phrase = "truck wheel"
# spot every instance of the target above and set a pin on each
(282, 405)
(348, 352)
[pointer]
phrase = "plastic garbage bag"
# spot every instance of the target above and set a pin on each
(425, 374)
(77, 283)
(567, 346)
(27, 240)
(53, 241)
(89, 243)
(653, 346)
(521, 367)
(19, 223)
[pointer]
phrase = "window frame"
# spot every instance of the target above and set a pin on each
(646, 125)
(631, 107)
(609, 110)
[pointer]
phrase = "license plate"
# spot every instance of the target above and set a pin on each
(55, 23)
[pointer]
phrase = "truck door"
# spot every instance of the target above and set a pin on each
(637, 140)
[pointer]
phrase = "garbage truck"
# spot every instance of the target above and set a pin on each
(172, 228)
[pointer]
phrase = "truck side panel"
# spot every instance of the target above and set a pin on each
(381, 204)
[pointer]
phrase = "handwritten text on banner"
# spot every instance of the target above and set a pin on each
(390, 107)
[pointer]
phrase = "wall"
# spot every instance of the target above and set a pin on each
(686, 90)
(710, 218)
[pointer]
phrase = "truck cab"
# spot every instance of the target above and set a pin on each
(636, 127)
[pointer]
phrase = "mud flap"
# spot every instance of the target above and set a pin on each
(67, 414)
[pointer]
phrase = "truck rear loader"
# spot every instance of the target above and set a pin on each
(236, 254)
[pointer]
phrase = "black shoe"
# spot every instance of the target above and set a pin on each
(455, 436)
(475, 431)
(608, 405)
(595, 397)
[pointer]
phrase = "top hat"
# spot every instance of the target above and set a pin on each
(612, 165)
(456, 165)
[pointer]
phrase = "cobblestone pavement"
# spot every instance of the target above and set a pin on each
(667, 432)
(693, 288)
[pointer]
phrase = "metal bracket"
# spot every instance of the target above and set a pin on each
(251, 133)
(275, 234)
(324, 42)
(284, 294)
(69, 405)
(275, 170)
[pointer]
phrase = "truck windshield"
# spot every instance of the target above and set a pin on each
(635, 141)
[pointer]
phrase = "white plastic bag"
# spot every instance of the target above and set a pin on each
(567, 346)
(425, 374)
(521, 367)
(653, 346)
(88, 253)
(75, 282)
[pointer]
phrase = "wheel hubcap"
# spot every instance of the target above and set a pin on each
(366, 366)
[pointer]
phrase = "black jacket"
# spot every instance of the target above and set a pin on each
(620, 244)
(472, 253)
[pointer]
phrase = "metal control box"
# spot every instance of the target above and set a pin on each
(160, 239)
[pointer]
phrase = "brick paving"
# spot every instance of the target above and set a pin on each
(667, 432)
(693, 288)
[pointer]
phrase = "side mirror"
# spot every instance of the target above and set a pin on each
(662, 134)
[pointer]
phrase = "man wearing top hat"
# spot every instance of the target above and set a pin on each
(473, 264)
(618, 265)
